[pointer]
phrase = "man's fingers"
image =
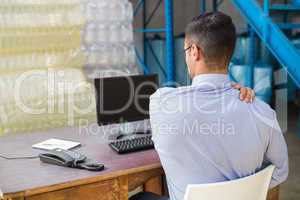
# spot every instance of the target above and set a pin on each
(250, 95)
(248, 98)
(243, 93)
(246, 94)
(236, 86)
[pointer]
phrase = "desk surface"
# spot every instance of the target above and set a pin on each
(32, 176)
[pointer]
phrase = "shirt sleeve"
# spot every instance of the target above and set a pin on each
(157, 112)
(277, 155)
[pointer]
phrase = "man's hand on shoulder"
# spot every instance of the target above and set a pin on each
(246, 94)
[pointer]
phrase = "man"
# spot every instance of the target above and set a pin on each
(203, 133)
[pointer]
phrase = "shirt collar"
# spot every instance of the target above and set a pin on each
(211, 81)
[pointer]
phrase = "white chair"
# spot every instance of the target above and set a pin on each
(254, 187)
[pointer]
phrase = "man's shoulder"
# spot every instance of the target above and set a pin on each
(168, 92)
(263, 112)
(162, 92)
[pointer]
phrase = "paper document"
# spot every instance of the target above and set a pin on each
(56, 143)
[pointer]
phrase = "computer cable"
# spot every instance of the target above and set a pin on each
(18, 158)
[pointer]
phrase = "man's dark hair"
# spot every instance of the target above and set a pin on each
(214, 33)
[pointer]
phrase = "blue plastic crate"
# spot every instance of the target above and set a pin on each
(158, 46)
(262, 78)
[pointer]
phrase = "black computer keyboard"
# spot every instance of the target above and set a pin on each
(133, 144)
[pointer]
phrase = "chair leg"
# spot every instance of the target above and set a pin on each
(154, 185)
(273, 194)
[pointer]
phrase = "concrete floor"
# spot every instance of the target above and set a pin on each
(290, 190)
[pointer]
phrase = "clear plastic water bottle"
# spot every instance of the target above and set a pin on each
(103, 33)
(117, 8)
(114, 33)
(90, 33)
(127, 32)
(91, 10)
(123, 55)
(99, 56)
(131, 56)
(92, 56)
(102, 13)
(129, 9)
(108, 36)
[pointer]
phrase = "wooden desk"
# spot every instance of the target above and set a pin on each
(33, 180)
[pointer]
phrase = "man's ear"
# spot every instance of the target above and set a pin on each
(196, 53)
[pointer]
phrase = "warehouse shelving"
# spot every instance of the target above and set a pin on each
(168, 29)
(272, 34)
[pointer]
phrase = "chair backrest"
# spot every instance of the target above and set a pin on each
(248, 188)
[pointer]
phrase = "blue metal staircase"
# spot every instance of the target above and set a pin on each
(271, 34)
(286, 9)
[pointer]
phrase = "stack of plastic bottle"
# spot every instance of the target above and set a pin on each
(108, 38)
(40, 34)
(45, 44)
(42, 99)
(42, 84)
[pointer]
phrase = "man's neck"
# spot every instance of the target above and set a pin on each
(225, 71)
